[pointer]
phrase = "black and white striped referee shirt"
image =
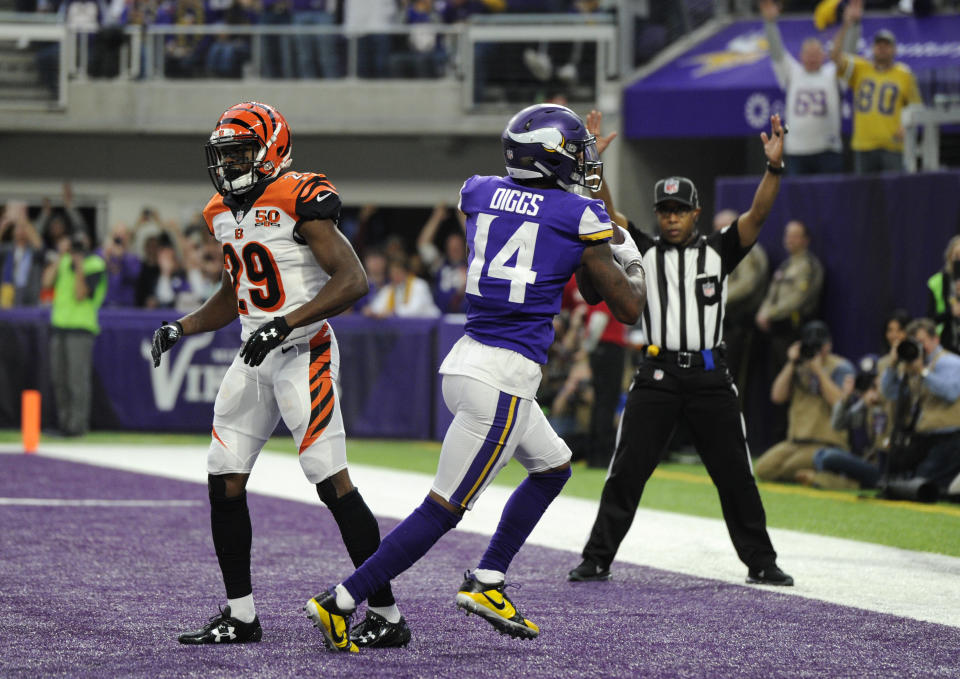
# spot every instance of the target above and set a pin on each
(686, 288)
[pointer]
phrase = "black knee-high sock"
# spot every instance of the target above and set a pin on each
(232, 537)
(361, 535)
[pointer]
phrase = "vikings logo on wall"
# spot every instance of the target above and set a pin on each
(741, 51)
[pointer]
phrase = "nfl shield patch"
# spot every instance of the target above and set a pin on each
(658, 374)
(709, 289)
(671, 186)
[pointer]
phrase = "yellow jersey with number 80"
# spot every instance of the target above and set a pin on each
(878, 100)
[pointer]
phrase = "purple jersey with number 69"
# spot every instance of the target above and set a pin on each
(524, 245)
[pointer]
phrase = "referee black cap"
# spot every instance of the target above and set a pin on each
(679, 189)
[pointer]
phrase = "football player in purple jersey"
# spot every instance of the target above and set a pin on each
(527, 233)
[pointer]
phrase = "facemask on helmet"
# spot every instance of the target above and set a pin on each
(547, 140)
(250, 143)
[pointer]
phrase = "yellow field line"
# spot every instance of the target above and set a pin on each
(815, 493)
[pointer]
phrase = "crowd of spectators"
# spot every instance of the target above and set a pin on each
(158, 262)
(844, 426)
(424, 51)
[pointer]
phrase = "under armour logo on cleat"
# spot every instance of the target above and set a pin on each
(227, 635)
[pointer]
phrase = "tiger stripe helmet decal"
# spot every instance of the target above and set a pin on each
(250, 142)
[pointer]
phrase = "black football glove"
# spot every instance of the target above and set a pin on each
(263, 340)
(165, 337)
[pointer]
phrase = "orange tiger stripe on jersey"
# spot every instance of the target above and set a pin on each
(293, 187)
(322, 393)
(214, 432)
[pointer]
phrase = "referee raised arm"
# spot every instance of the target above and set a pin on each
(683, 374)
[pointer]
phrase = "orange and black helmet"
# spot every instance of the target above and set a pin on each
(250, 142)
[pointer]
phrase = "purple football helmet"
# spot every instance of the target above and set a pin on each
(548, 140)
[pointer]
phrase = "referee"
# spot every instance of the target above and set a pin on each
(683, 374)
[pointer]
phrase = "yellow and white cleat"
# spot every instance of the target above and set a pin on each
(489, 602)
(332, 621)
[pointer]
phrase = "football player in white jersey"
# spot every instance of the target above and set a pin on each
(287, 269)
(812, 108)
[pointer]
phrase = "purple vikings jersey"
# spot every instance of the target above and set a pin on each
(524, 244)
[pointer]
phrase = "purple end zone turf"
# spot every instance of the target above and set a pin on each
(104, 591)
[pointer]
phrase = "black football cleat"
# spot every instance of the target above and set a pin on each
(377, 632)
(332, 621)
(222, 629)
(769, 575)
(491, 603)
(588, 571)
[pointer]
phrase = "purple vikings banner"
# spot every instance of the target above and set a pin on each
(725, 87)
(387, 372)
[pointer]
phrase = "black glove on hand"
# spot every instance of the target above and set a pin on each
(263, 340)
(165, 337)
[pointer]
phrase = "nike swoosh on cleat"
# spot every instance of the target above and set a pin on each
(499, 607)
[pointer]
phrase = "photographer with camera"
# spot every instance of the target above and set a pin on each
(810, 381)
(79, 281)
(943, 298)
(866, 415)
(924, 379)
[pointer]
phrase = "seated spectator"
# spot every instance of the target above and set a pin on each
(405, 296)
(184, 51)
(448, 271)
(424, 56)
(317, 55)
(170, 286)
(565, 390)
(375, 266)
(228, 53)
(943, 299)
(123, 268)
(924, 373)
(21, 258)
(810, 381)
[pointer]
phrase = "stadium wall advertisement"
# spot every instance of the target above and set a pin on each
(725, 85)
(387, 373)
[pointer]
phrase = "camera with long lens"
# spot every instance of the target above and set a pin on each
(909, 350)
(809, 349)
(812, 338)
(78, 244)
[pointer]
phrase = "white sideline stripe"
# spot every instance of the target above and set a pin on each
(59, 502)
(918, 585)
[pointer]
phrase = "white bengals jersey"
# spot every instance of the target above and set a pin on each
(272, 267)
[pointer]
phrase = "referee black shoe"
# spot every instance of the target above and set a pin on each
(588, 571)
(769, 575)
(377, 632)
(222, 629)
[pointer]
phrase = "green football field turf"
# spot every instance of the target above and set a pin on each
(681, 488)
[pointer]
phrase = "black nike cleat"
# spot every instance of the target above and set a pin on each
(588, 571)
(769, 575)
(222, 629)
(489, 602)
(332, 621)
(377, 632)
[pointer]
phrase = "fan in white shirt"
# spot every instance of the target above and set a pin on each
(813, 100)
(405, 296)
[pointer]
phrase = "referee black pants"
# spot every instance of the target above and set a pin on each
(661, 394)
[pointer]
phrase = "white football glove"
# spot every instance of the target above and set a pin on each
(626, 253)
